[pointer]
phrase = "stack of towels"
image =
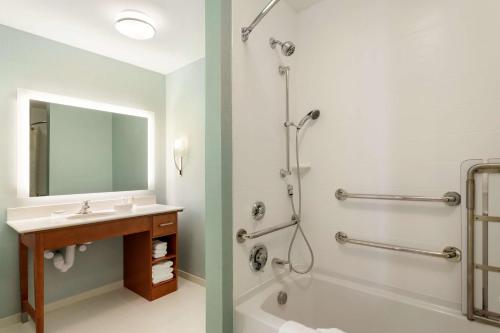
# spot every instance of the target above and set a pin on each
(294, 327)
(163, 272)
(159, 249)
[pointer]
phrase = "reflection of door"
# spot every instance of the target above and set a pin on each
(39, 150)
(483, 241)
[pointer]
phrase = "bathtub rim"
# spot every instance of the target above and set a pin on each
(251, 303)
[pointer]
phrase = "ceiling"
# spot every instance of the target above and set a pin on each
(300, 5)
(88, 24)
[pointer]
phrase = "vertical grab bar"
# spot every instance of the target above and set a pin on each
(482, 315)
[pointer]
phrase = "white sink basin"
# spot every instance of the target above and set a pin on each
(89, 215)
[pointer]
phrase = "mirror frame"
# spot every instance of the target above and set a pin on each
(24, 97)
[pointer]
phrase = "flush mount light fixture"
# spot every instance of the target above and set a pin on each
(135, 24)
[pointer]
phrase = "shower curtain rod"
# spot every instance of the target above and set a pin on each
(245, 31)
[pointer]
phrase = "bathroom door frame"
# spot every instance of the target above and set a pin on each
(218, 168)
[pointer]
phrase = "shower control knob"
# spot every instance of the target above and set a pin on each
(258, 210)
(258, 257)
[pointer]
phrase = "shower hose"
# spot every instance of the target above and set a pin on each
(298, 215)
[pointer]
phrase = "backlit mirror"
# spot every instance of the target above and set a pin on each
(75, 150)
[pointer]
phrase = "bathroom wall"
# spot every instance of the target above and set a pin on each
(185, 109)
(407, 91)
(31, 62)
(81, 151)
(258, 133)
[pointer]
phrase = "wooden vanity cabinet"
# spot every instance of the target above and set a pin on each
(138, 235)
(138, 260)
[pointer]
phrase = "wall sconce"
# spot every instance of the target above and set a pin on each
(180, 148)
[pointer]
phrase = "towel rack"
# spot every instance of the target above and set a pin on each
(449, 198)
(449, 253)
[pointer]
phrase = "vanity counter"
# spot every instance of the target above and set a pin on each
(140, 228)
(55, 222)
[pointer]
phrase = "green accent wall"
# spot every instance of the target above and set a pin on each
(218, 168)
(185, 107)
(31, 62)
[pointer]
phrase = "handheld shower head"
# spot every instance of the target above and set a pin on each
(287, 48)
(314, 114)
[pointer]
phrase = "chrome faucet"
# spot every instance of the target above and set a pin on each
(281, 262)
(85, 208)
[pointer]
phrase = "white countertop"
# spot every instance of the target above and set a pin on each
(56, 222)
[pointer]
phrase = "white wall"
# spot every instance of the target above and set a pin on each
(258, 133)
(185, 109)
(407, 91)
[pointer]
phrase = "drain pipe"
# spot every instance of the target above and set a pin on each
(63, 264)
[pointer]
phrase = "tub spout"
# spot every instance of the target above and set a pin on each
(64, 263)
(280, 262)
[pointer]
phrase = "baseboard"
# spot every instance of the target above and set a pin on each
(191, 277)
(16, 318)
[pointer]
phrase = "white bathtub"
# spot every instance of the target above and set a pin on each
(322, 301)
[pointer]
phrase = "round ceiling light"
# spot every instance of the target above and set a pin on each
(135, 24)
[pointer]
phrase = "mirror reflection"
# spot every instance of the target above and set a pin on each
(75, 150)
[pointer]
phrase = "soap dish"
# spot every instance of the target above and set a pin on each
(123, 207)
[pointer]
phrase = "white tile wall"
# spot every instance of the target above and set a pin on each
(407, 90)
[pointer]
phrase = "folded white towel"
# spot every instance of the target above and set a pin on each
(159, 245)
(166, 266)
(160, 271)
(158, 279)
(294, 327)
(159, 254)
(159, 251)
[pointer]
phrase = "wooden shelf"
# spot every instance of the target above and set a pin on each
(163, 282)
(164, 235)
(139, 257)
(167, 257)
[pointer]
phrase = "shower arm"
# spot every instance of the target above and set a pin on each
(245, 31)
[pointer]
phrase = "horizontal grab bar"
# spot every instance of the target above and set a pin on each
(449, 253)
(487, 218)
(449, 198)
(242, 235)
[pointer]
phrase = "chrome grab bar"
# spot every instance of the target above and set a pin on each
(449, 253)
(242, 235)
(473, 313)
(245, 31)
(449, 198)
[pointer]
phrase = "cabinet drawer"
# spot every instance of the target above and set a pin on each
(164, 224)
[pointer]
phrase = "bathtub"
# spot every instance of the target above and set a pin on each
(322, 301)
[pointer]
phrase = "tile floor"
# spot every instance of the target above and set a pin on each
(124, 312)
